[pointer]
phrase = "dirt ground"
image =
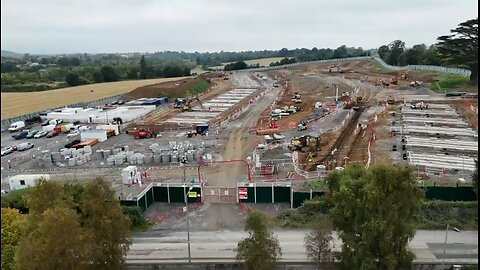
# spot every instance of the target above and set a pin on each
(316, 83)
(168, 89)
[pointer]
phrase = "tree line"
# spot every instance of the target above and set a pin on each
(65, 226)
(80, 73)
(459, 49)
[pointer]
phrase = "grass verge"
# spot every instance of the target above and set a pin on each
(433, 215)
(450, 82)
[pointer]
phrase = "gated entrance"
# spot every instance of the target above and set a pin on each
(219, 194)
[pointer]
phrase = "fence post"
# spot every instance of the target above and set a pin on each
(255, 191)
(273, 194)
(153, 195)
(291, 198)
(311, 194)
(168, 192)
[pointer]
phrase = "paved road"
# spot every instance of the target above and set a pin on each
(170, 246)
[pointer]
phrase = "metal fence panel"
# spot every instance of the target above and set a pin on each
(450, 193)
(149, 197)
(264, 194)
(281, 194)
(176, 194)
(299, 198)
(160, 194)
(142, 203)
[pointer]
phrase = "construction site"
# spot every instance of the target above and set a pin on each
(288, 125)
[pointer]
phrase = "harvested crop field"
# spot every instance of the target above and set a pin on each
(15, 104)
(261, 61)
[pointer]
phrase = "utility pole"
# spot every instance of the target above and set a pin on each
(445, 245)
(184, 162)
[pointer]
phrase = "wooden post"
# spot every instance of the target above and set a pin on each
(255, 192)
(311, 194)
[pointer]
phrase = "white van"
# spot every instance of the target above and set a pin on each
(16, 126)
(24, 146)
(49, 128)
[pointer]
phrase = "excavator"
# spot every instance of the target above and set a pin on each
(305, 143)
(187, 106)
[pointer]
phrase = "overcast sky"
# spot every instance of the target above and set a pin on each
(93, 26)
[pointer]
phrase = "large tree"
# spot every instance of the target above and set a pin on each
(461, 47)
(82, 225)
(103, 218)
(374, 213)
(11, 233)
(261, 250)
(397, 47)
(56, 242)
(318, 242)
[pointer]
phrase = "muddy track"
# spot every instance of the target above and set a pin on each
(344, 138)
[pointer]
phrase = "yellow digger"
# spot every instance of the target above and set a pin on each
(187, 106)
(304, 144)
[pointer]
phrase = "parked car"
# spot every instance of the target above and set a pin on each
(31, 133)
(46, 122)
(7, 150)
(72, 143)
(53, 133)
(73, 134)
(21, 135)
(40, 134)
(76, 122)
(24, 146)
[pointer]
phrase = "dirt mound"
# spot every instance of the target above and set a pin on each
(169, 89)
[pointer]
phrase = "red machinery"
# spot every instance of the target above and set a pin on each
(141, 133)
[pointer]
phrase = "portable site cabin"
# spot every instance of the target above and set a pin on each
(130, 175)
(22, 181)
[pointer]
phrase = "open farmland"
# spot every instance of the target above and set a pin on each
(15, 104)
(261, 61)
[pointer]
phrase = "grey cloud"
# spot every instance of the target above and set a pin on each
(55, 26)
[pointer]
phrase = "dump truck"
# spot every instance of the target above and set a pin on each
(305, 143)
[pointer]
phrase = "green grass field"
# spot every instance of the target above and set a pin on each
(451, 82)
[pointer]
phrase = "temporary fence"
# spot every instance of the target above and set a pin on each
(278, 192)
(165, 192)
(459, 71)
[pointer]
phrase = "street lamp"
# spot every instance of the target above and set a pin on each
(184, 162)
(445, 246)
(188, 225)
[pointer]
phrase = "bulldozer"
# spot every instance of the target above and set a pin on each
(405, 75)
(305, 143)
